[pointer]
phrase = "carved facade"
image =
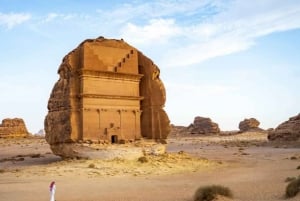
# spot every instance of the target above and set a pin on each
(107, 91)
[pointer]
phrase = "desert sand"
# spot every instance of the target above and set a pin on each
(251, 167)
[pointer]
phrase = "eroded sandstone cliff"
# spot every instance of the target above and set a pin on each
(107, 92)
(13, 128)
(287, 131)
(250, 124)
(203, 125)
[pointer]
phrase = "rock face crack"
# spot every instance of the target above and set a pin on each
(107, 92)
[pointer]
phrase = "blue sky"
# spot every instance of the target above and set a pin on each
(227, 60)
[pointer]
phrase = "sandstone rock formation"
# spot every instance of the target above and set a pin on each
(13, 128)
(41, 132)
(178, 130)
(287, 131)
(204, 125)
(108, 92)
(249, 125)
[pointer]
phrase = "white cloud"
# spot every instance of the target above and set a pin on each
(51, 16)
(59, 16)
(233, 27)
(12, 19)
(154, 9)
(204, 90)
(201, 51)
(157, 31)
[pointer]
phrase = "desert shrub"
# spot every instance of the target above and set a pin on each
(298, 168)
(293, 158)
(292, 188)
(143, 159)
(208, 193)
(289, 179)
(92, 165)
(2, 170)
(16, 170)
(181, 152)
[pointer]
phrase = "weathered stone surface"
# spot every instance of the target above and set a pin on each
(249, 125)
(204, 125)
(13, 128)
(287, 131)
(96, 151)
(109, 92)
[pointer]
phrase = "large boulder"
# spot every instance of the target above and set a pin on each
(203, 125)
(249, 125)
(287, 131)
(108, 93)
(13, 128)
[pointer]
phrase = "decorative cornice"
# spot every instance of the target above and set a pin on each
(109, 75)
(103, 96)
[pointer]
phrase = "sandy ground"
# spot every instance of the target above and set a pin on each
(252, 168)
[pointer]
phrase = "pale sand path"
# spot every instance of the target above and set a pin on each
(253, 173)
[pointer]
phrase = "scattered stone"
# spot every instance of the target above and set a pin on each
(13, 128)
(143, 159)
(287, 131)
(203, 125)
(249, 125)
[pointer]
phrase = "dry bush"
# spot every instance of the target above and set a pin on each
(292, 188)
(289, 179)
(143, 159)
(208, 193)
(181, 152)
(92, 165)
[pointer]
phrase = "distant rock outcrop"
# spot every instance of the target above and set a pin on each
(178, 130)
(249, 125)
(203, 125)
(287, 131)
(41, 132)
(13, 128)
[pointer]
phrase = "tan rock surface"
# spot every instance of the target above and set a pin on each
(204, 125)
(13, 128)
(287, 131)
(249, 124)
(108, 92)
